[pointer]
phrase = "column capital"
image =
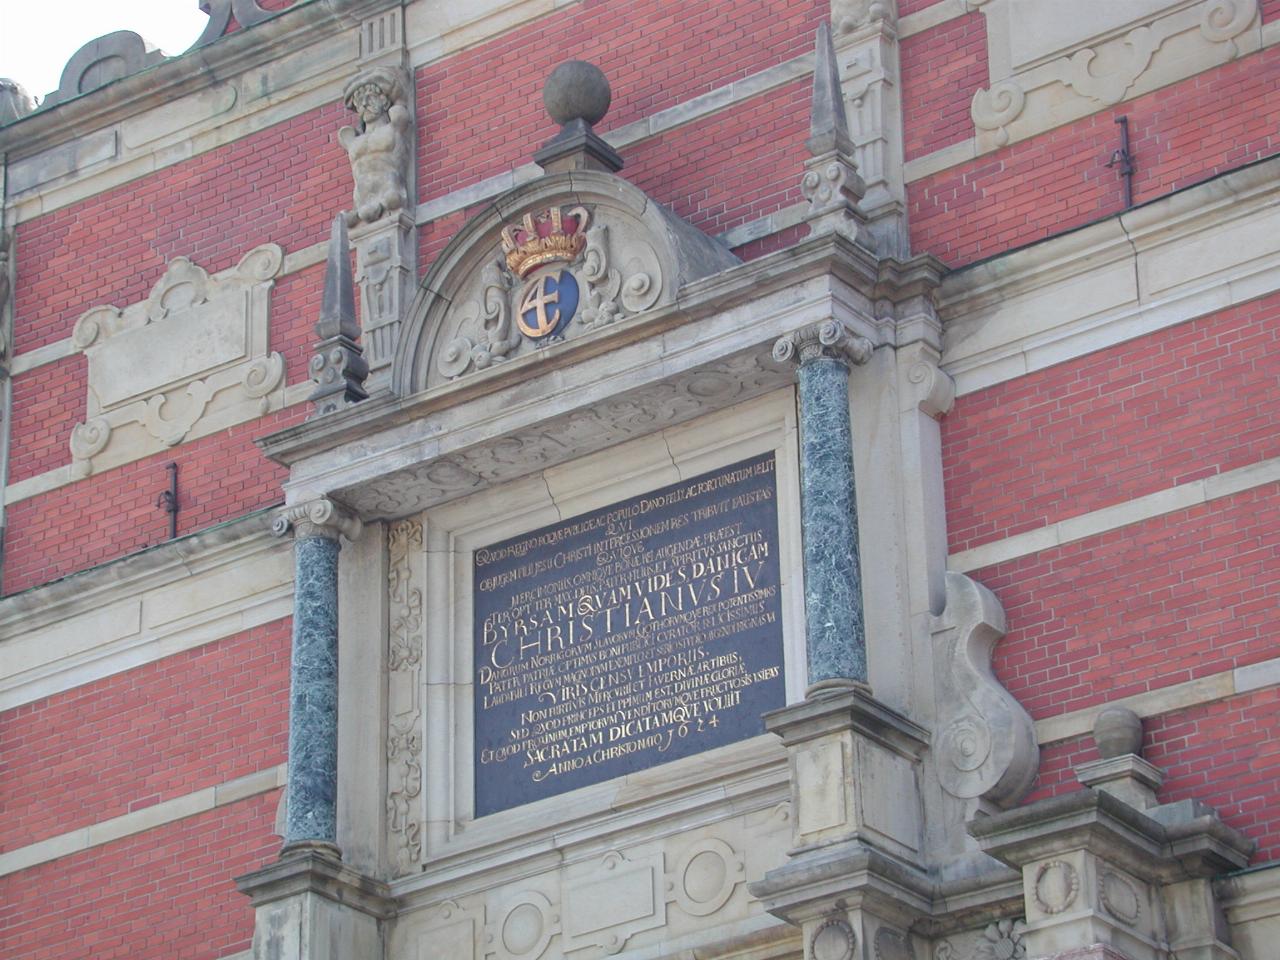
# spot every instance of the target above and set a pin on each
(829, 338)
(317, 518)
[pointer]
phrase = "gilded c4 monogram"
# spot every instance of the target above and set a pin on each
(533, 319)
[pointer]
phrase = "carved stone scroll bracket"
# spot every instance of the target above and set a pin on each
(380, 144)
(317, 518)
(191, 358)
(984, 743)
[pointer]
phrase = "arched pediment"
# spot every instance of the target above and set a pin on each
(559, 258)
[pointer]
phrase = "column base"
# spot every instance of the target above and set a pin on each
(308, 906)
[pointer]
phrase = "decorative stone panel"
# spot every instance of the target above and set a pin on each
(1052, 62)
(191, 359)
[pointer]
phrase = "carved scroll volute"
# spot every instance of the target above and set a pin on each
(984, 742)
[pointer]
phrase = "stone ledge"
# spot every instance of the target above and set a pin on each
(1171, 843)
(312, 872)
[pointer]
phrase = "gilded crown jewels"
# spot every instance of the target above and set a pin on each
(553, 235)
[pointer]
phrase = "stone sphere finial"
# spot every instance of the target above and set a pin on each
(1117, 731)
(577, 90)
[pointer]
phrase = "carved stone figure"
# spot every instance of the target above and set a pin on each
(379, 144)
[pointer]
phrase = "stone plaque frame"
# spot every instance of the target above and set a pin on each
(453, 531)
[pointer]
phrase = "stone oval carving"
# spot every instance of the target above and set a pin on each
(526, 927)
(705, 877)
(1120, 898)
(1056, 886)
(833, 940)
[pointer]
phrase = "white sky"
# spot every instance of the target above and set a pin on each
(38, 37)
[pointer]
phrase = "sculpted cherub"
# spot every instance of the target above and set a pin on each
(379, 145)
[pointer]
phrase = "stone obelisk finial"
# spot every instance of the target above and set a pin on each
(577, 96)
(830, 183)
(338, 367)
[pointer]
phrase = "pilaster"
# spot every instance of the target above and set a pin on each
(385, 261)
(835, 631)
(311, 805)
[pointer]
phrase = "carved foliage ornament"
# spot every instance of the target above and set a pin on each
(558, 267)
(1001, 940)
(562, 438)
(404, 706)
(193, 354)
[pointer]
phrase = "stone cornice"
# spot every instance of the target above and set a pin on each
(1181, 256)
(1170, 843)
(298, 26)
(847, 264)
(89, 589)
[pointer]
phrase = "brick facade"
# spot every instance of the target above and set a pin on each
(1148, 604)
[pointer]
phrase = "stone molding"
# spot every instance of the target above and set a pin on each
(139, 821)
(140, 608)
(1184, 255)
(1116, 516)
(191, 359)
(317, 518)
(1042, 59)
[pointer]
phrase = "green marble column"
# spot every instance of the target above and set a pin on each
(835, 634)
(312, 788)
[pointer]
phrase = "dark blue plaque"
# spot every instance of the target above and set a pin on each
(636, 634)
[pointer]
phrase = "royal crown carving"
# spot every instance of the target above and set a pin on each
(555, 260)
(192, 358)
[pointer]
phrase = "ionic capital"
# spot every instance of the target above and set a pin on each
(829, 339)
(316, 518)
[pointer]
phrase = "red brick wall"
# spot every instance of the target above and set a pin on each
(480, 111)
(1180, 404)
(157, 895)
(738, 165)
(1183, 595)
(941, 70)
(1180, 135)
(221, 477)
(47, 404)
(159, 731)
(282, 185)
(1222, 753)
